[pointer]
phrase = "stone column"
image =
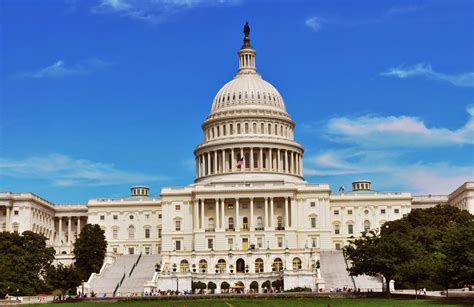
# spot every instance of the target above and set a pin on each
(297, 165)
(270, 160)
(266, 213)
(294, 211)
(215, 162)
(260, 162)
(60, 236)
(208, 163)
(203, 167)
(301, 165)
(196, 214)
(279, 161)
(251, 159)
(223, 161)
(202, 214)
(285, 162)
(287, 217)
(218, 220)
(69, 229)
(223, 213)
(251, 214)
(8, 213)
(78, 231)
(232, 160)
(292, 163)
(237, 215)
(271, 213)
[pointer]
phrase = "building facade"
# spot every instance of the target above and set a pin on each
(249, 215)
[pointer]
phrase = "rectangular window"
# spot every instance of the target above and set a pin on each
(260, 242)
(338, 246)
(147, 216)
(210, 243)
(337, 229)
(314, 242)
(178, 225)
(115, 217)
(147, 233)
(147, 250)
(115, 234)
(178, 207)
(397, 210)
(230, 206)
(382, 211)
(336, 212)
(177, 244)
(15, 212)
(280, 242)
(114, 250)
(102, 217)
(230, 243)
(159, 216)
(159, 232)
(313, 204)
(349, 212)
(350, 229)
(313, 222)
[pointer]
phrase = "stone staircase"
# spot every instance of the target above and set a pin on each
(142, 273)
(334, 272)
(108, 280)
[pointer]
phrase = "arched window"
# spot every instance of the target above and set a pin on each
(202, 266)
(259, 222)
(115, 230)
(231, 129)
(221, 265)
(184, 266)
(246, 127)
(262, 128)
(131, 232)
(269, 129)
(259, 266)
(277, 265)
(231, 223)
(337, 229)
(366, 225)
(254, 128)
(211, 223)
(296, 264)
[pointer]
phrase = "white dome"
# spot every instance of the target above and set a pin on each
(248, 90)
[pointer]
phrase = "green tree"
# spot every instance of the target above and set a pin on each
(63, 278)
(24, 260)
(89, 250)
(254, 285)
(225, 285)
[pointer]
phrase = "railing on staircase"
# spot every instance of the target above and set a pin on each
(119, 284)
(347, 267)
(134, 265)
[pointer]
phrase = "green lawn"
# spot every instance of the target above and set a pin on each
(273, 302)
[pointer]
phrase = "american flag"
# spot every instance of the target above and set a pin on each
(240, 162)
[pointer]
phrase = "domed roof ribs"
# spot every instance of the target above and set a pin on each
(246, 56)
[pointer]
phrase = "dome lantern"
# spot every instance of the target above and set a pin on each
(246, 55)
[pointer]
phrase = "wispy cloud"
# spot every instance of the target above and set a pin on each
(60, 69)
(314, 23)
(393, 150)
(402, 10)
(397, 131)
(63, 170)
(425, 70)
(152, 11)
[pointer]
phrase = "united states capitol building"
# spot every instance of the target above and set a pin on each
(250, 215)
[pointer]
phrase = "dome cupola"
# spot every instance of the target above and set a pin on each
(248, 134)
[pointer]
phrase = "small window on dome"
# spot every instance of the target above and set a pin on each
(252, 95)
(246, 95)
(264, 97)
(240, 96)
(233, 97)
(228, 97)
(258, 95)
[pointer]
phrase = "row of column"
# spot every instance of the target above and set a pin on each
(60, 238)
(254, 159)
(220, 217)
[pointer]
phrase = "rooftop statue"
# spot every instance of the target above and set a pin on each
(247, 29)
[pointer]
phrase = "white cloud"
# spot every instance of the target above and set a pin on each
(401, 10)
(314, 23)
(59, 69)
(425, 70)
(152, 11)
(397, 131)
(63, 170)
(390, 170)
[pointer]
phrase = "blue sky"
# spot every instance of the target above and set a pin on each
(99, 95)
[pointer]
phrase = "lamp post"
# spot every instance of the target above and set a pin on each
(82, 294)
(17, 290)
